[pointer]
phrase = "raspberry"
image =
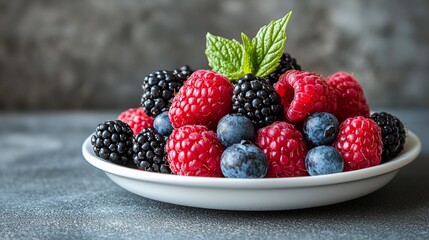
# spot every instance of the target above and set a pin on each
(303, 93)
(285, 149)
(194, 150)
(350, 97)
(203, 100)
(359, 142)
(137, 119)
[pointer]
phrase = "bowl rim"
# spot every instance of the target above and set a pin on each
(411, 151)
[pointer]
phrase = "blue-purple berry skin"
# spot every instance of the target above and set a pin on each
(321, 128)
(244, 160)
(323, 160)
(234, 128)
(162, 124)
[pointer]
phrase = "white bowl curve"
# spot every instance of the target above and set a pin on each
(256, 194)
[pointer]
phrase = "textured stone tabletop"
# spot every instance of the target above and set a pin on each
(48, 191)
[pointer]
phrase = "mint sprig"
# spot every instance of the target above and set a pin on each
(269, 45)
(260, 55)
(247, 64)
(224, 56)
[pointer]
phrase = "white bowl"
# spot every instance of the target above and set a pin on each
(255, 194)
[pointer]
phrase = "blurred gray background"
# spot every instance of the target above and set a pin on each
(93, 54)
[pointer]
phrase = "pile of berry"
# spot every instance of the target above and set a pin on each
(255, 114)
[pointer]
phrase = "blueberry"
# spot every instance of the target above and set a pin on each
(162, 124)
(233, 128)
(323, 160)
(244, 160)
(321, 128)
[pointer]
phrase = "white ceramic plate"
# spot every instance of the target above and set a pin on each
(256, 194)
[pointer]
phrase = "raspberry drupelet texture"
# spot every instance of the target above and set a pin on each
(359, 142)
(256, 99)
(392, 132)
(136, 118)
(287, 62)
(203, 100)
(285, 149)
(158, 89)
(194, 150)
(350, 97)
(303, 93)
(112, 141)
(149, 151)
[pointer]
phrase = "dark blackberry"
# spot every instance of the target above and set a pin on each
(256, 99)
(183, 72)
(112, 141)
(287, 62)
(149, 151)
(392, 133)
(158, 89)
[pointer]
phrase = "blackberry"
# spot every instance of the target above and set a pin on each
(183, 72)
(256, 99)
(392, 133)
(149, 151)
(158, 89)
(112, 141)
(287, 62)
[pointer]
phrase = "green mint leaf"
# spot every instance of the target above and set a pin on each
(236, 75)
(269, 46)
(224, 56)
(259, 56)
(283, 22)
(248, 54)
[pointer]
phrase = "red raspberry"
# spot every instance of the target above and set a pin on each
(303, 93)
(350, 97)
(194, 150)
(137, 119)
(359, 142)
(285, 149)
(203, 100)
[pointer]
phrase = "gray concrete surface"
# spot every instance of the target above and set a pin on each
(94, 54)
(48, 191)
